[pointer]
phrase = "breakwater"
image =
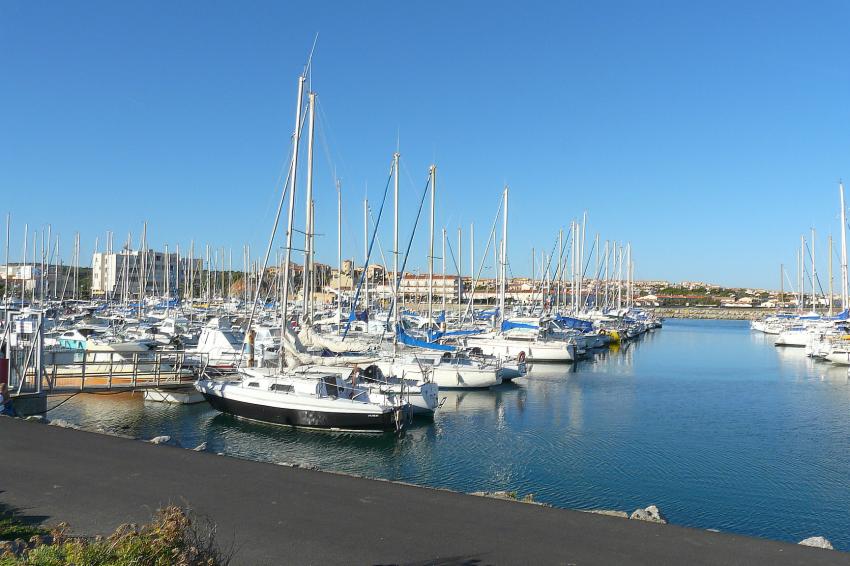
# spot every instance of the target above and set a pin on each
(712, 313)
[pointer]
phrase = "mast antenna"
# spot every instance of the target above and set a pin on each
(309, 65)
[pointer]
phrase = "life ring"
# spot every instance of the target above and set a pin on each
(521, 356)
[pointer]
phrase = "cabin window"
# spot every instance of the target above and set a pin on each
(253, 384)
(283, 387)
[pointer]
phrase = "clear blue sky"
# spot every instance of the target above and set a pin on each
(709, 134)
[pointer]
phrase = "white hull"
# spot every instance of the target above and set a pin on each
(840, 357)
(445, 374)
(531, 350)
(794, 339)
(176, 397)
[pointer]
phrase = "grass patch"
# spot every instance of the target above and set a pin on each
(173, 537)
(12, 529)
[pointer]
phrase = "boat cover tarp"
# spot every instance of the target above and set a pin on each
(577, 323)
(409, 340)
(434, 335)
(510, 325)
(361, 316)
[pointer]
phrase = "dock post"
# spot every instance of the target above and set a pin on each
(111, 359)
(39, 361)
(135, 369)
(83, 379)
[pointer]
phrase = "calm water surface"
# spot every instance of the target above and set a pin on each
(705, 419)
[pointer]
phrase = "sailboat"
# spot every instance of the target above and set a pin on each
(325, 399)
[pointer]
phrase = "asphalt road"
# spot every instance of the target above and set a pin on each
(281, 515)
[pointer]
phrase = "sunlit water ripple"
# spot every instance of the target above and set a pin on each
(705, 419)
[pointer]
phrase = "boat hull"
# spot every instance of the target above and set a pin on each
(377, 422)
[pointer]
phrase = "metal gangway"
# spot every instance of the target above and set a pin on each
(34, 370)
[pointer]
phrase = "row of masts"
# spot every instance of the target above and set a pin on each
(806, 255)
(613, 275)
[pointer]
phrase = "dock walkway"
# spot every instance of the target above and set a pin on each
(282, 515)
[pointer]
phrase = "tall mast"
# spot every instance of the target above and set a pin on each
(296, 137)
(801, 263)
(433, 172)
(396, 284)
(459, 271)
(829, 245)
(596, 275)
(7, 281)
(142, 273)
(574, 264)
(472, 256)
(620, 278)
(802, 269)
(504, 271)
(177, 274)
(560, 262)
(167, 276)
(628, 275)
(845, 300)
(581, 263)
(497, 263)
(443, 283)
(23, 285)
(607, 262)
(366, 254)
(339, 255)
(308, 219)
(781, 286)
(191, 271)
(533, 272)
(814, 272)
(77, 266)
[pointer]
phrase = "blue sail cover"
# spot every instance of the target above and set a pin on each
(361, 316)
(484, 315)
(442, 317)
(510, 325)
(577, 323)
(434, 335)
(409, 340)
(843, 315)
(171, 303)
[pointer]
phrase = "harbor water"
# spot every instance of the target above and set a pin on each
(705, 419)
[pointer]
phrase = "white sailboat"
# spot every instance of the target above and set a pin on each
(282, 396)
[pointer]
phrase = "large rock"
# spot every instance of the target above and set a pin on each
(62, 423)
(817, 542)
(651, 514)
(159, 439)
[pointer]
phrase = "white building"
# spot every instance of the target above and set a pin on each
(28, 274)
(119, 274)
(416, 287)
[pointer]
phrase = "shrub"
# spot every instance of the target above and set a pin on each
(172, 538)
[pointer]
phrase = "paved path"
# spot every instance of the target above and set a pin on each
(281, 515)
